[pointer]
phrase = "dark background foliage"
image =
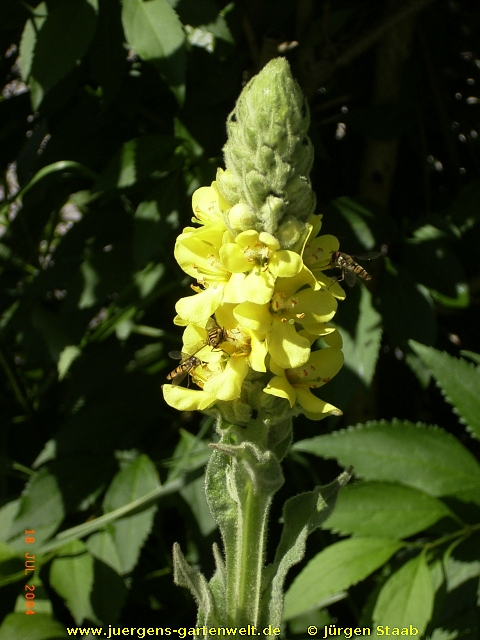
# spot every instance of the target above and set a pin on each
(106, 129)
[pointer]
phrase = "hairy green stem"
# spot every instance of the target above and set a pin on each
(250, 557)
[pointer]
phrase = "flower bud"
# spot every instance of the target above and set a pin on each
(268, 154)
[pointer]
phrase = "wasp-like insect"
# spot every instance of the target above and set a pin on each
(186, 365)
(215, 334)
(351, 269)
(214, 338)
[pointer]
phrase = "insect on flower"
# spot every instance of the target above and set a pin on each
(214, 338)
(187, 364)
(350, 268)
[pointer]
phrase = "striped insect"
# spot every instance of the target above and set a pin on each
(186, 366)
(188, 362)
(350, 268)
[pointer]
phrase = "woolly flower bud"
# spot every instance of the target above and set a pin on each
(268, 154)
(241, 217)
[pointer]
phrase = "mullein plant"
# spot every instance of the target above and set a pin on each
(258, 340)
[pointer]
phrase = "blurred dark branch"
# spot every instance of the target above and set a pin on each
(315, 73)
(14, 383)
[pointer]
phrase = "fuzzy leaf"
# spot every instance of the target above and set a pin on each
(335, 569)
(129, 533)
(302, 514)
(398, 512)
(406, 598)
(459, 381)
(186, 576)
(426, 458)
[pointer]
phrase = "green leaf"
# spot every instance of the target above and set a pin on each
(427, 458)
(358, 218)
(437, 268)
(41, 626)
(335, 569)
(108, 594)
(187, 576)
(406, 307)
(459, 381)
(151, 156)
(71, 575)
(155, 33)
(61, 44)
(96, 524)
(43, 603)
(41, 508)
(7, 515)
(102, 546)
(129, 533)
(12, 565)
(107, 53)
(194, 496)
(302, 514)
(29, 39)
(361, 350)
(398, 512)
(406, 599)
(150, 230)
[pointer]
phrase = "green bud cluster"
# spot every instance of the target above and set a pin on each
(268, 157)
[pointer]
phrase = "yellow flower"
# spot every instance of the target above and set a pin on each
(295, 301)
(223, 367)
(260, 257)
(208, 205)
(294, 384)
(317, 256)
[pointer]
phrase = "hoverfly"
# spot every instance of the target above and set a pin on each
(186, 365)
(351, 269)
(214, 338)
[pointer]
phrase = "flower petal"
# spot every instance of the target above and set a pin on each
(279, 386)
(233, 258)
(186, 399)
(253, 316)
(228, 384)
(258, 286)
(286, 346)
(258, 353)
(233, 288)
(202, 305)
(285, 263)
(314, 408)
